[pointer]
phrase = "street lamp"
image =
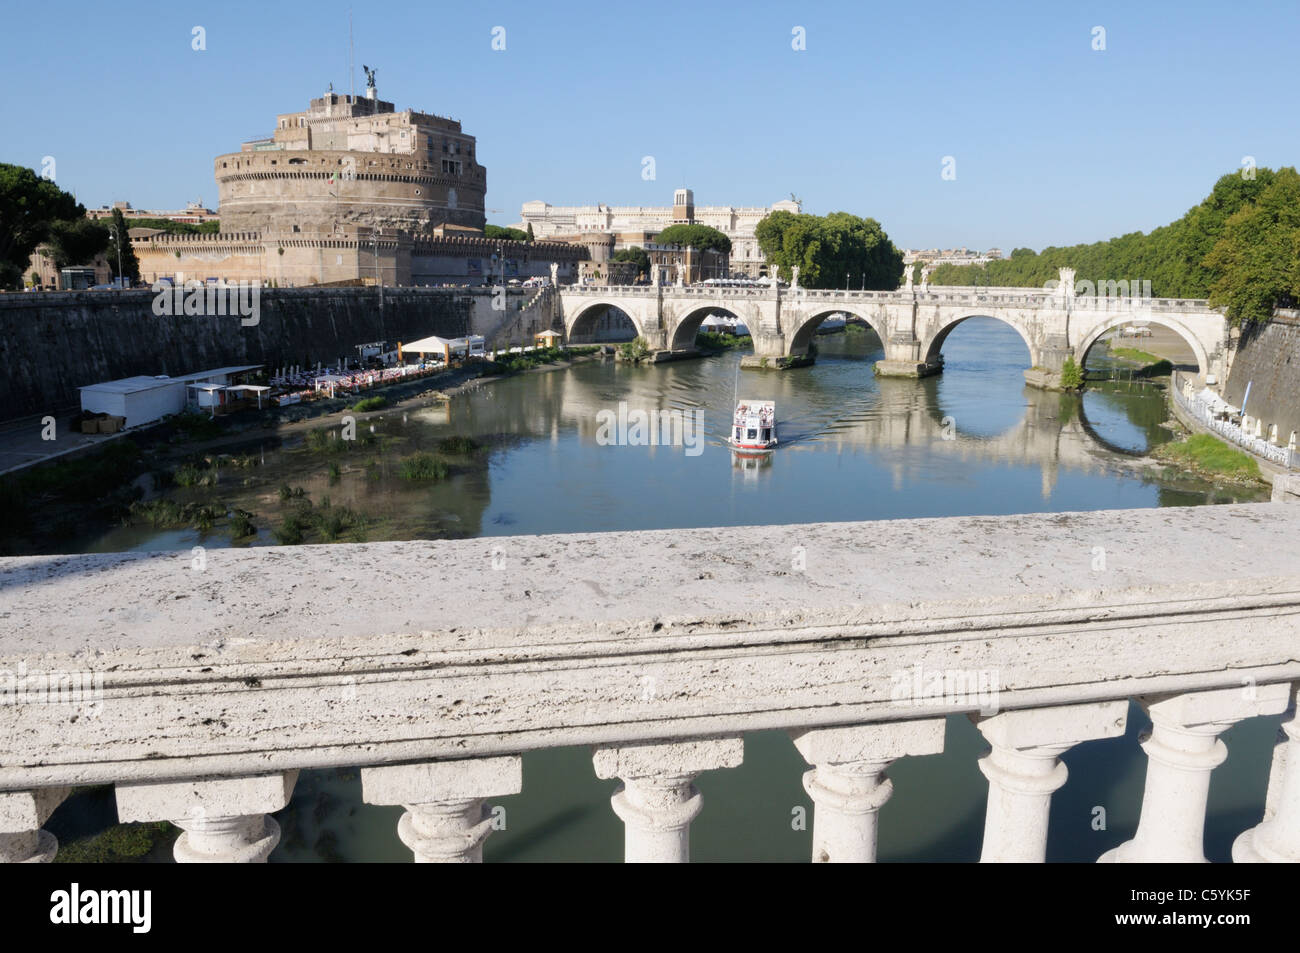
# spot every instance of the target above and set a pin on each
(113, 229)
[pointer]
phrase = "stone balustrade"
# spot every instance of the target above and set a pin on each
(201, 688)
(947, 294)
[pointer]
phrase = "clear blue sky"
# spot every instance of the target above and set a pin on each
(1054, 142)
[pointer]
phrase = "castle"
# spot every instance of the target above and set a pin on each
(349, 191)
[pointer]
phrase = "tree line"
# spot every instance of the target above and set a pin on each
(1240, 248)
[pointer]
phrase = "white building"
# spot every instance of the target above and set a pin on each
(573, 222)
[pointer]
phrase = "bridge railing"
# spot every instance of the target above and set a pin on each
(199, 685)
(1203, 413)
(939, 294)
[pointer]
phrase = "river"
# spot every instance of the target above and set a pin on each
(973, 440)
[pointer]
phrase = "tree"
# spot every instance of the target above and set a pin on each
(1255, 263)
(635, 254)
(29, 206)
(500, 232)
(130, 264)
(699, 237)
(76, 241)
(832, 251)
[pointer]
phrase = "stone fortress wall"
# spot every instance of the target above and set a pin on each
(1268, 360)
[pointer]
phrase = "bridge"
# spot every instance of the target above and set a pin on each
(201, 691)
(912, 322)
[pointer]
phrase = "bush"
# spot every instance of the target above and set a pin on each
(241, 524)
(637, 349)
(291, 493)
(1071, 374)
(423, 466)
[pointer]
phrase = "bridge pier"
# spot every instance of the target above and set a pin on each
(903, 358)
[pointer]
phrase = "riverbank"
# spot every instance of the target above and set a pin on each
(90, 489)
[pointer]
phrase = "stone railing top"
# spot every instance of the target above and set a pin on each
(1037, 297)
(285, 657)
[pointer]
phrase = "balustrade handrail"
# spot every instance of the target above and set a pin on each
(319, 656)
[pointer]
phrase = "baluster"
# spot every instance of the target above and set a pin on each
(657, 800)
(22, 839)
(1024, 769)
(225, 820)
(847, 782)
(1183, 748)
(446, 819)
(1276, 839)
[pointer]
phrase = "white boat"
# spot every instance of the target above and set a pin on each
(753, 428)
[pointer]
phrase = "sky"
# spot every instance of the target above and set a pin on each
(1051, 141)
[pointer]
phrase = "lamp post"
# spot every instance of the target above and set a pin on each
(118, 245)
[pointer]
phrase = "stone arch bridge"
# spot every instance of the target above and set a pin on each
(912, 322)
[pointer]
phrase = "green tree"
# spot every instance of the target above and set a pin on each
(130, 265)
(699, 237)
(832, 251)
(1256, 261)
(635, 254)
(76, 241)
(29, 207)
(500, 232)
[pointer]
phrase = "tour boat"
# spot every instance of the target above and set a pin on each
(754, 427)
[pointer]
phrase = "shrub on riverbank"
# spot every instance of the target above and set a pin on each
(423, 467)
(1071, 374)
(1206, 454)
(637, 349)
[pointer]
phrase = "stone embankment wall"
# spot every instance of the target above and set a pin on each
(1268, 359)
(53, 343)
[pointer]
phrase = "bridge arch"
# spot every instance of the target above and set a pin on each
(582, 323)
(1111, 323)
(932, 349)
(803, 333)
(689, 324)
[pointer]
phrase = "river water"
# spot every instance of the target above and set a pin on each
(971, 441)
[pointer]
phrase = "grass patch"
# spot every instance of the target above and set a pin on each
(721, 340)
(1205, 454)
(169, 514)
(458, 446)
(423, 467)
(370, 403)
(195, 473)
(1135, 355)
